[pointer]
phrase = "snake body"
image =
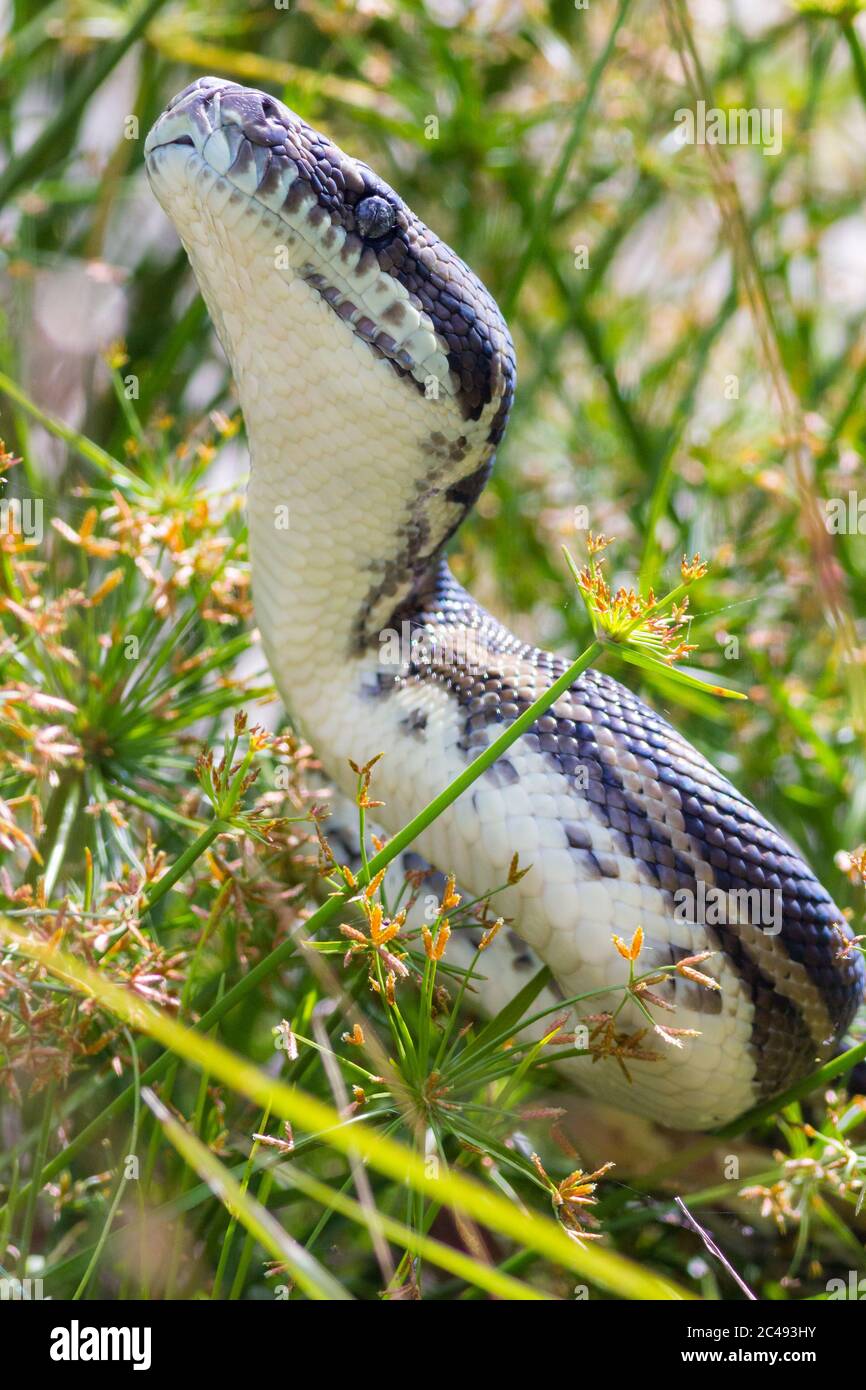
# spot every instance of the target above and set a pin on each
(375, 373)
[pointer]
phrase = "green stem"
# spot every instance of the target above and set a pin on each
(857, 58)
(225, 809)
(154, 808)
(113, 469)
(39, 1178)
(68, 820)
(183, 862)
(233, 1221)
(545, 205)
(122, 1181)
(801, 1088)
(262, 1197)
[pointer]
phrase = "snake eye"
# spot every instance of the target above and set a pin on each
(374, 217)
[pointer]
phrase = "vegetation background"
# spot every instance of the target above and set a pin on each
(689, 324)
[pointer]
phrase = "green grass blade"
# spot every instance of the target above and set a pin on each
(316, 1282)
(610, 1271)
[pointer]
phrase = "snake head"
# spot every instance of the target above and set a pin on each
(223, 157)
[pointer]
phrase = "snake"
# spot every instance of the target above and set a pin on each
(375, 374)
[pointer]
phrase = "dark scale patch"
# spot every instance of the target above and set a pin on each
(379, 342)
(414, 863)
(678, 989)
(578, 835)
(382, 683)
(419, 543)
(607, 864)
(465, 316)
(783, 1045)
(503, 773)
(523, 958)
(415, 722)
(455, 451)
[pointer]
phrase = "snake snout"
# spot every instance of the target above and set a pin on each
(262, 119)
(213, 104)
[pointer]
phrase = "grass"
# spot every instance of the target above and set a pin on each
(197, 1102)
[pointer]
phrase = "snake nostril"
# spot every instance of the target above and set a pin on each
(257, 115)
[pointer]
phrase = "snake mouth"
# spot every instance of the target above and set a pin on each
(185, 140)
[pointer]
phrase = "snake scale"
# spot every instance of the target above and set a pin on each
(375, 374)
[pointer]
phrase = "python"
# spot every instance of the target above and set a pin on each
(333, 345)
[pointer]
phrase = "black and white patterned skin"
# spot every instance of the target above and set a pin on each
(376, 374)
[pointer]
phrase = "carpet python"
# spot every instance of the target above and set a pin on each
(376, 374)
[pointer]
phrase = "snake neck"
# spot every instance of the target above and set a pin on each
(340, 557)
